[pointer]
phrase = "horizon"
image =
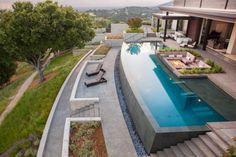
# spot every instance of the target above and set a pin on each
(88, 4)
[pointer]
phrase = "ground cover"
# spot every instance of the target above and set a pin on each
(22, 128)
(102, 50)
(7, 92)
(87, 139)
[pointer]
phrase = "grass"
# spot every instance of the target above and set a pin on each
(103, 50)
(22, 72)
(134, 30)
(31, 113)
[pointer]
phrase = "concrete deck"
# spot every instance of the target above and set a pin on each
(117, 137)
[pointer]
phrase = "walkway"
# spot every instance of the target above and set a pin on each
(18, 96)
(55, 136)
(117, 138)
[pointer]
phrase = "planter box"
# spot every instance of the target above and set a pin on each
(96, 57)
(66, 137)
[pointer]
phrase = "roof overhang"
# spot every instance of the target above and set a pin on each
(174, 16)
(225, 15)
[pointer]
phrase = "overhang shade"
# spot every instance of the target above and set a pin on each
(171, 16)
(225, 15)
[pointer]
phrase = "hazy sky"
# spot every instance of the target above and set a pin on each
(94, 3)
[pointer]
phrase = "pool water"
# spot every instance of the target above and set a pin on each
(170, 101)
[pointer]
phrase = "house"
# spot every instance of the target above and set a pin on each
(211, 23)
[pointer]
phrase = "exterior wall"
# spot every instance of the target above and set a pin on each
(192, 3)
(231, 4)
(185, 26)
(179, 3)
(232, 43)
(194, 29)
(217, 4)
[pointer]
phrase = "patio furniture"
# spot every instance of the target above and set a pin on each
(188, 59)
(193, 45)
(96, 71)
(99, 79)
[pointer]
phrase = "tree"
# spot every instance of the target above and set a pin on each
(135, 23)
(7, 66)
(31, 30)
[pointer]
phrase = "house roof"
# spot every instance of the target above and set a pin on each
(226, 15)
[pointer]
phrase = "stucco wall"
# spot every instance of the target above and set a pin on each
(192, 3)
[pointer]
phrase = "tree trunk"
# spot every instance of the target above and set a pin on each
(40, 72)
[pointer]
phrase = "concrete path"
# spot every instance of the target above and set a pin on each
(116, 134)
(18, 96)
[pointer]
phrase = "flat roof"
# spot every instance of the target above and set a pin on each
(226, 15)
(171, 16)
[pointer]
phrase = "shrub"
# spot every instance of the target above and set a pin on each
(135, 23)
(193, 52)
(130, 30)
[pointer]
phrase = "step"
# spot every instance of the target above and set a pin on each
(185, 150)
(169, 153)
(211, 145)
(201, 145)
(224, 137)
(177, 151)
(160, 154)
(196, 151)
(218, 141)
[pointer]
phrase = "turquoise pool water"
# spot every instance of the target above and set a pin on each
(170, 101)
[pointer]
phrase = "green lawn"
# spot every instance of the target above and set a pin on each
(30, 114)
(22, 72)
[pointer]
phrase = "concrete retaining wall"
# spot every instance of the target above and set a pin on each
(77, 103)
(113, 42)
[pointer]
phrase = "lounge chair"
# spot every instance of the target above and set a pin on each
(193, 45)
(99, 79)
(96, 71)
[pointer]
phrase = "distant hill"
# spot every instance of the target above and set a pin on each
(123, 14)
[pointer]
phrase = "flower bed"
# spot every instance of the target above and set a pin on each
(193, 52)
(83, 137)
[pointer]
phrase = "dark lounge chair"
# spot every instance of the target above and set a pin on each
(99, 79)
(96, 71)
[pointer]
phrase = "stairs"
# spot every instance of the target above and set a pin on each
(212, 144)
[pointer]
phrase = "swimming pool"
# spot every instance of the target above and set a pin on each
(170, 102)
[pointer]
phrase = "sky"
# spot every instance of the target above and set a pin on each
(6, 4)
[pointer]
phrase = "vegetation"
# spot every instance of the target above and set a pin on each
(83, 142)
(135, 23)
(7, 65)
(30, 115)
(102, 50)
(214, 69)
(138, 30)
(231, 152)
(30, 30)
(102, 23)
(149, 23)
(193, 52)
(22, 72)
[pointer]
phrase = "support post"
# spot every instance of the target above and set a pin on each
(177, 26)
(158, 24)
(165, 30)
(208, 26)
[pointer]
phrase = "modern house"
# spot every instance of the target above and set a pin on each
(211, 23)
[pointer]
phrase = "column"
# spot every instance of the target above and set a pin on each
(158, 24)
(208, 26)
(232, 42)
(165, 29)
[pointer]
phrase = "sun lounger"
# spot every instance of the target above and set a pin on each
(99, 79)
(96, 71)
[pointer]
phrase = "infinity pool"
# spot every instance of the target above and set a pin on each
(170, 101)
